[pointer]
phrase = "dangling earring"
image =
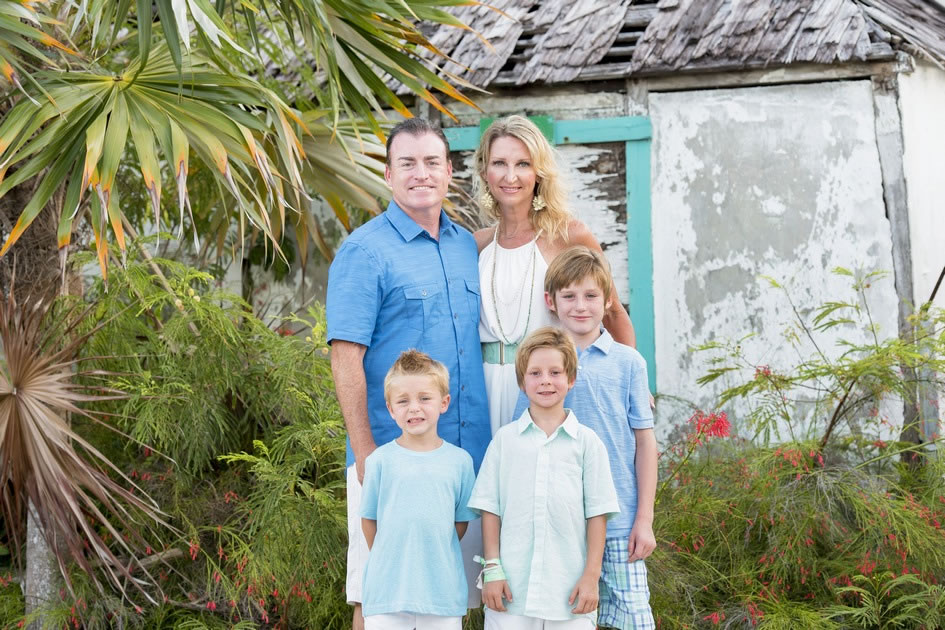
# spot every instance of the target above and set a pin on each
(538, 204)
(486, 201)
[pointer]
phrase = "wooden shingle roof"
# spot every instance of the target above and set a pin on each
(560, 41)
(733, 34)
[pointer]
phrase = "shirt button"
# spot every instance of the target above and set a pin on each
(462, 388)
(455, 315)
(463, 423)
(423, 292)
(460, 350)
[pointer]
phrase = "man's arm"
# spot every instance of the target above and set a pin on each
(461, 527)
(347, 368)
(369, 527)
(493, 592)
(642, 541)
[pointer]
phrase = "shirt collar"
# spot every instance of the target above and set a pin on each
(604, 343)
(570, 425)
(407, 227)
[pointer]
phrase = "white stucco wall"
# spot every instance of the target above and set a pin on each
(780, 181)
(922, 104)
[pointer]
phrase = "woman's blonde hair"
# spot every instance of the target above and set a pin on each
(553, 219)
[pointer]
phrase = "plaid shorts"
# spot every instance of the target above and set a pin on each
(624, 594)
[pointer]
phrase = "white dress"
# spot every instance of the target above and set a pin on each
(513, 271)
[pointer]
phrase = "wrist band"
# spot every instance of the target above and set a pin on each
(485, 562)
(492, 570)
(493, 574)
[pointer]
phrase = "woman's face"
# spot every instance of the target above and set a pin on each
(510, 173)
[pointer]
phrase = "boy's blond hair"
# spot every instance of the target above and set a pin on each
(573, 265)
(415, 363)
(546, 337)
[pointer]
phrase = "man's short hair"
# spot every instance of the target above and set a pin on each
(546, 337)
(417, 127)
(575, 264)
(416, 363)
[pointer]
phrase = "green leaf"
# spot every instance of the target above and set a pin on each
(169, 25)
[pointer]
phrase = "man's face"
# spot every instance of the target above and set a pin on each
(418, 173)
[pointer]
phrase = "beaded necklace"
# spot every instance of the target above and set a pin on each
(529, 275)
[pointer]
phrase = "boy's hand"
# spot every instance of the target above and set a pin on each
(493, 592)
(585, 595)
(641, 543)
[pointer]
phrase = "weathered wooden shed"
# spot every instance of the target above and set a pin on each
(714, 142)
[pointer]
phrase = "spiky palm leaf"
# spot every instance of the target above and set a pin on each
(82, 136)
(42, 460)
(356, 43)
(201, 103)
(20, 30)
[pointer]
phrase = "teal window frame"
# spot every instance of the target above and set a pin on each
(636, 133)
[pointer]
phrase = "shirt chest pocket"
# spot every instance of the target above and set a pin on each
(423, 304)
(472, 298)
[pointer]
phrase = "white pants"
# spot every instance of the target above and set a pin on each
(471, 545)
(504, 621)
(410, 621)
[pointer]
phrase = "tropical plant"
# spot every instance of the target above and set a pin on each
(261, 107)
(826, 529)
(190, 87)
(244, 454)
(53, 472)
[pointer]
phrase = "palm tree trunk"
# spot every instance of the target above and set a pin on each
(41, 584)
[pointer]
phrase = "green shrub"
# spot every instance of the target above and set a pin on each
(833, 531)
(235, 432)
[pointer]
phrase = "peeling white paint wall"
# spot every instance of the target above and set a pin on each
(922, 103)
(779, 181)
(598, 182)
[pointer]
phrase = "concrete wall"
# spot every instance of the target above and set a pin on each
(780, 181)
(922, 103)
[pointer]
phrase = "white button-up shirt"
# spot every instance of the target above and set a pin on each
(544, 488)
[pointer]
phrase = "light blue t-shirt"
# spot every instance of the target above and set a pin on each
(417, 498)
(392, 287)
(610, 396)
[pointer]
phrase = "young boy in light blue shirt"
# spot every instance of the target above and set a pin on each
(611, 397)
(545, 493)
(413, 508)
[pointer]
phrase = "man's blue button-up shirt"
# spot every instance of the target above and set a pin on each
(393, 287)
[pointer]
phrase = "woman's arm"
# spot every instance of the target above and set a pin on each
(616, 320)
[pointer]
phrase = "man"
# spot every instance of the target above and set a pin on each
(408, 278)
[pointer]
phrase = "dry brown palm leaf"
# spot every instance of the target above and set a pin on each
(80, 497)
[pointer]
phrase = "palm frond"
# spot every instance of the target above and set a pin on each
(186, 97)
(21, 29)
(80, 497)
(225, 120)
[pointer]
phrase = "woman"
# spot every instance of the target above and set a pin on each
(517, 184)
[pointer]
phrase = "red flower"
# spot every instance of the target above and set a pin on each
(712, 425)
